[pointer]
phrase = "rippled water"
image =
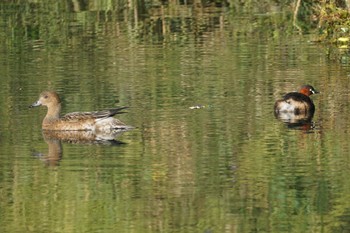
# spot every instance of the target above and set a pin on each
(226, 166)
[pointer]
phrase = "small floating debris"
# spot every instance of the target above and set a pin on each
(344, 29)
(199, 106)
(343, 39)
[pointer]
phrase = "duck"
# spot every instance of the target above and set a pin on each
(297, 103)
(97, 121)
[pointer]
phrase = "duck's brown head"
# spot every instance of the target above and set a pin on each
(47, 98)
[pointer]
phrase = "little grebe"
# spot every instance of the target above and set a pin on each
(298, 103)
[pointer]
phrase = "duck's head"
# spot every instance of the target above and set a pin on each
(307, 90)
(47, 98)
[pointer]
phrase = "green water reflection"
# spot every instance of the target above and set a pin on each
(227, 167)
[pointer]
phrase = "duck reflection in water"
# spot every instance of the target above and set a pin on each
(296, 108)
(54, 141)
(54, 154)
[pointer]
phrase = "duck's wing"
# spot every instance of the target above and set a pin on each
(93, 115)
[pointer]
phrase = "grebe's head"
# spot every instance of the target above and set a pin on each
(307, 90)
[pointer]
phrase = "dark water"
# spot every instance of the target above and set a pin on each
(228, 166)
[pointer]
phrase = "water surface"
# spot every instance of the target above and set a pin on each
(228, 166)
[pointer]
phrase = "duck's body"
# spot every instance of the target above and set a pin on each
(297, 103)
(98, 121)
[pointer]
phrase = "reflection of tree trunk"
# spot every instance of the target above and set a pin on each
(136, 17)
(347, 3)
(76, 6)
(296, 10)
(139, 8)
(163, 20)
(222, 23)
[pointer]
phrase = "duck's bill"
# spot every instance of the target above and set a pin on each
(36, 104)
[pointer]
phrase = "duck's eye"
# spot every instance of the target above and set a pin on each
(46, 96)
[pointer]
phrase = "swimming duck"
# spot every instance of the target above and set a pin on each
(98, 121)
(297, 103)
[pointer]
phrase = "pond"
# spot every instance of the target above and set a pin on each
(207, 153)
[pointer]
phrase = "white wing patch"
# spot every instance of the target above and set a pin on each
(287, 107)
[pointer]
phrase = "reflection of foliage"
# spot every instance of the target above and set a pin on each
(53, 22)
(333, 21)
(156, 19)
